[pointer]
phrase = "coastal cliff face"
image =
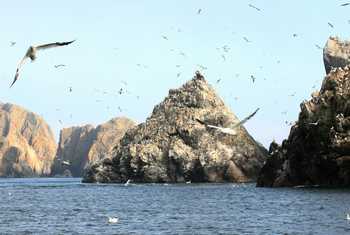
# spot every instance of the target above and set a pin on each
(79, 146)
(317, 151)
(336, 54)
(172, 146)
(27, 145)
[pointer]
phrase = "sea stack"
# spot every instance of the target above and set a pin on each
(317, 151)
(336, 53)
(81, 145)
(27, 144)
(172, 146)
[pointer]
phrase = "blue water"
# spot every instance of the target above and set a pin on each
(66, 206)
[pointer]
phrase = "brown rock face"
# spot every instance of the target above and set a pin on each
(27, 145)
(172, 146)
(318, 147)
(80, 146)
(336, 54)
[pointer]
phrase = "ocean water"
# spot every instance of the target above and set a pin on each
(66, 206)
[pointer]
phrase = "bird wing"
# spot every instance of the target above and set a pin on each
(215, 127)
(19, 66)
(231, 129)
(51, 45)
(245, 119)
(224, 130)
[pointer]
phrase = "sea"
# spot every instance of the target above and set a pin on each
(67, 206)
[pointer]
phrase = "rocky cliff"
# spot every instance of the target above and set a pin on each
(79, 146)
(172, 146)
(317, 151)
(336, 54)
(27, 145)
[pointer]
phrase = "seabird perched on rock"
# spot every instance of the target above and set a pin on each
(67, 163)
(31, 53)
(198, 75)
(231, 130)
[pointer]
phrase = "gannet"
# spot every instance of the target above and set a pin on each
(231, 130)
(31, 53)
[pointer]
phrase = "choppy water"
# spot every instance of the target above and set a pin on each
(66, 206)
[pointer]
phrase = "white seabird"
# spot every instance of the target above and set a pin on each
(67, 163)
(113, 220)
(31, 53)
(231, 130)
(127, 182)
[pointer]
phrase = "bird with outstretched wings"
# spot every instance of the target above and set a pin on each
(31, 54)
(231, 130)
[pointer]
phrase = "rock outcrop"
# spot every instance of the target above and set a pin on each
(172, 146)
(79, 146)
(317, 151)
(336, 54)
(27, 145)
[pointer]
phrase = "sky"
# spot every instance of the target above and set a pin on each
(120, 44)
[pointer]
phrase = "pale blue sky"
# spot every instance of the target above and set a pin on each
(114, 36)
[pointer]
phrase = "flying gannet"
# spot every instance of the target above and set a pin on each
(231, 130)
(31, 53)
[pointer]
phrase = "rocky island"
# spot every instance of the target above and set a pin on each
(317, 151)
(27, 144)
(79, 146)
(172, 146)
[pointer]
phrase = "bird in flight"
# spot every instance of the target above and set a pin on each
(12, 43)
(59, 65)
(231, 130)
(31, 53)
(330, 25)
(246, 39)
(345, 4)
(253, 78)
(199, 11)
(252, 6)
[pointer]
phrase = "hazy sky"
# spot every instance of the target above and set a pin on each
(122, 41)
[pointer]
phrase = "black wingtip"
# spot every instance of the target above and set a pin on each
(201, 122)
(13, 83)
(71, 42)
(254, 112)
(65, 43)
(16, 77)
